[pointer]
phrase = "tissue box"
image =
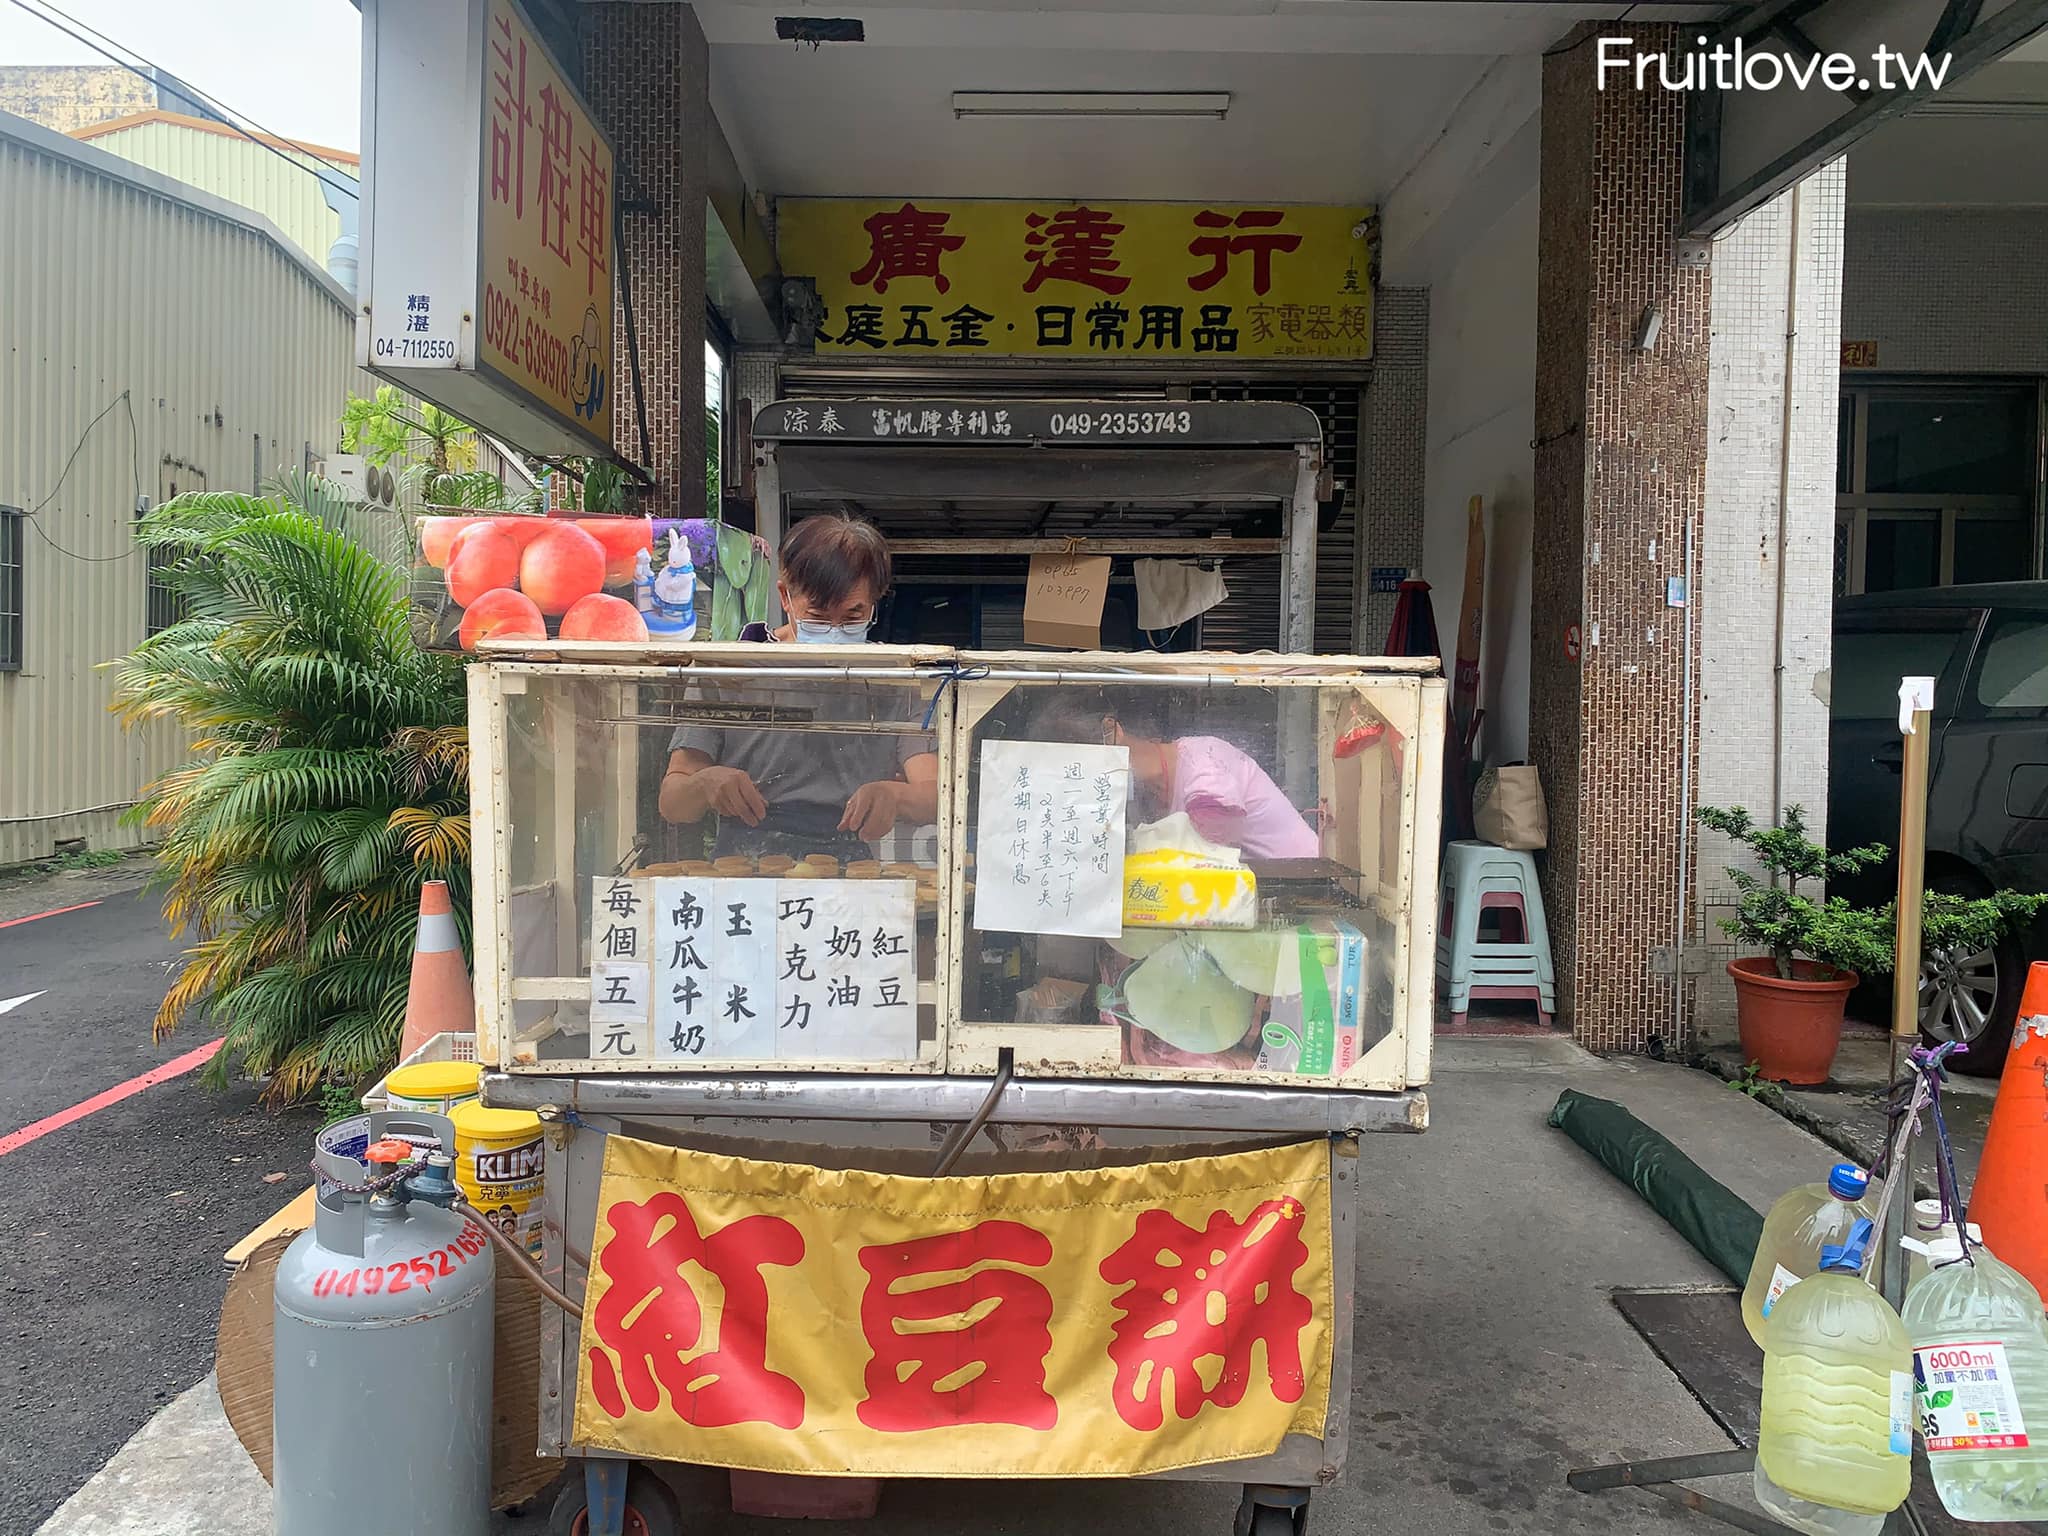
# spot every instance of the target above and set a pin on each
(1167, 889)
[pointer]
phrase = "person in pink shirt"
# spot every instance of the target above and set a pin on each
(1228, 796)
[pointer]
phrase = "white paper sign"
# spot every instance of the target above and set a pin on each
(621, 941)
(1049, 838)
(689, 970)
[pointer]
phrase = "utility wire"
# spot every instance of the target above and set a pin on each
(135, 468)
(155, 75)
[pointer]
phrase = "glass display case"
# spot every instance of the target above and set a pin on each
(1197, 867)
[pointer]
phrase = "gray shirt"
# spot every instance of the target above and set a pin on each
(807, 776)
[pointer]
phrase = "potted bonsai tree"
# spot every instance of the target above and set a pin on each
(1789, 1000)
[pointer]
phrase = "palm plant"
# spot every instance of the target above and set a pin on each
(386, 425)
(329, 781)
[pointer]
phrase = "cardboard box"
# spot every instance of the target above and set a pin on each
(1063, 600)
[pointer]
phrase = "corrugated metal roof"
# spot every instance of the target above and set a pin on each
(129, 296)
(284, 186)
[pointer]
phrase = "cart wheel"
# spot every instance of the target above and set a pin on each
(651, 1510)
(1258, 1518)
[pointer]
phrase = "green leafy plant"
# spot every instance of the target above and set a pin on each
(475, 489)
(329, 780)
(387, 426)
(1834, 932)
(604, 487)
(338, 1101)
(1751, 1081)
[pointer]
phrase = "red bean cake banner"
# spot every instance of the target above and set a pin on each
(1104, 1322)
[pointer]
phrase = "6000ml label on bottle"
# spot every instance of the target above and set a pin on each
(1782, 1280)
(1966, 1398)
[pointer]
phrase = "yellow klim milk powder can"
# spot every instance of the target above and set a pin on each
(499, 1157)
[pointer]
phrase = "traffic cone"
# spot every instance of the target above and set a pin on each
(439, 999)
(2010, 1198)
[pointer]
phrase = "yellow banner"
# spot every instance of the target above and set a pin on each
(546, 251)
(1116, 1321)
(1216, 282)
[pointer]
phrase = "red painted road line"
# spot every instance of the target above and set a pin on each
(177, 1066)
(15, 922)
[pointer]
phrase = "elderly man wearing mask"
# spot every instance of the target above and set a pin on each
(797, 792)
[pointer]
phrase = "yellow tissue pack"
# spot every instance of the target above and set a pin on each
(1174, 888)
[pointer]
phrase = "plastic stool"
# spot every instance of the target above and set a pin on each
(1479, 878)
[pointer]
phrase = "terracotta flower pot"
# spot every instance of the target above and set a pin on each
(1790, 1029)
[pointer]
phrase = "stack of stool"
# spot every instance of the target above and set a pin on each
(1491, 940)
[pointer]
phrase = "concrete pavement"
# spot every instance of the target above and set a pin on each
(1848, 1110)
(110, 1274)
(1491, 1357)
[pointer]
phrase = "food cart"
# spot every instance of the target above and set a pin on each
(1030, 1151)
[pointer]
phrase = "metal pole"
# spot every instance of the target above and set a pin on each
(1916, 702)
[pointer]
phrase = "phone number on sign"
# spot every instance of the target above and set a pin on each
(510, 332)
(1121, 423)
(414, 348)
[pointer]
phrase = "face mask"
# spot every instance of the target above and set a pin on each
(817, 632)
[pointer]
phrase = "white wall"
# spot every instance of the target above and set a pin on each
(1749, 468)
(1482, 412)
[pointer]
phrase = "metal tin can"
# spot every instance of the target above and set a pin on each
(499, 1159)
(434, 1086)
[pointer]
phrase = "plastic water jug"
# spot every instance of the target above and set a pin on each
(1799, 1226)
(1980, 1383)
(1834, 1453)
(1928, 1229)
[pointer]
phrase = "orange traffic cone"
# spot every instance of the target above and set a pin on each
(2010, 1198)
(439, 999)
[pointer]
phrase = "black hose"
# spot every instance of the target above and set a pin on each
(955, 1145)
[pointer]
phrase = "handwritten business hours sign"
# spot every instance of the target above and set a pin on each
(1098, 1322)
(917, 278)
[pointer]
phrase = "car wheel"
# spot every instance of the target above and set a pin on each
(1971, 998)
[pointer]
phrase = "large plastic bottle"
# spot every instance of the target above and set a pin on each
(1928, 1230)
(1980, 1383)
(1834, 1453)
(1799, 1226)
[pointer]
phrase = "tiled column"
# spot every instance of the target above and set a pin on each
(1620, 476)
(1393, 450)
(645, 73)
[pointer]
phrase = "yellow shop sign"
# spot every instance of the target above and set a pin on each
(917, 278)
(1106, 1322)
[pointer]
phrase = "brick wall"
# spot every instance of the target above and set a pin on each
(1900, 288)
(645, 72)
(1620, 473)
(1392, 456)
(1739, 555)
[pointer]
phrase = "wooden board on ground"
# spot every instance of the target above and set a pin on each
(294, 1218)
(243, 1367)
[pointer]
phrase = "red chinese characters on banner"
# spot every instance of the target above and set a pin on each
(907, 243)
(958, 1337)
(555, 135)
(511, 116)
(1248, 241)
(1074, 245)
(651, 1317)
(593, 226)
(1198, 1302)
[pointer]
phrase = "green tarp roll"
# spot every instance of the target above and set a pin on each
(1705, 1212)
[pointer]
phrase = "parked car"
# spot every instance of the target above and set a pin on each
(1987, 808)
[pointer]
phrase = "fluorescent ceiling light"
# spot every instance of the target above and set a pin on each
(1091, 103)
(1946, 106)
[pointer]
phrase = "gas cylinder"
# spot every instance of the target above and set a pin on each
(381, 1410)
